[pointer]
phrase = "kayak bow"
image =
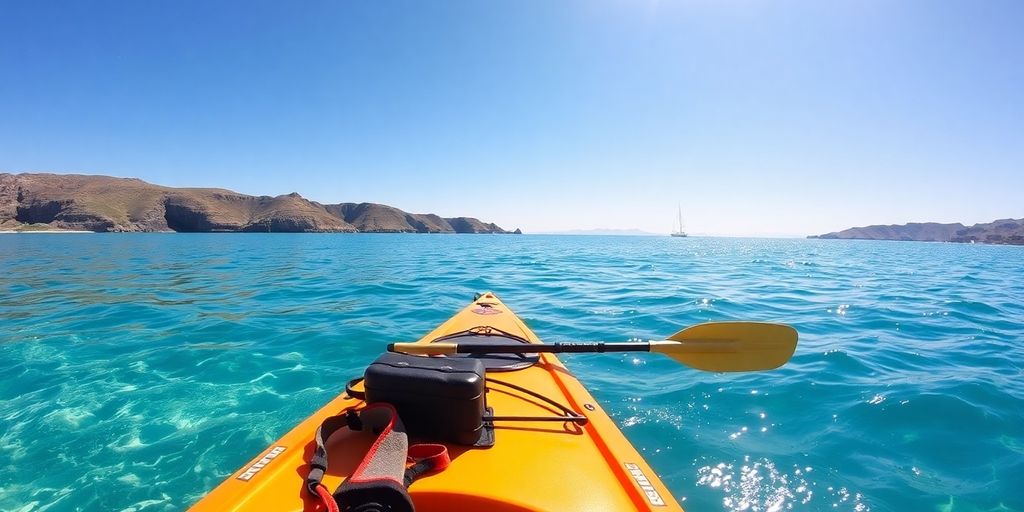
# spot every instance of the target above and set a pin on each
(534, 464)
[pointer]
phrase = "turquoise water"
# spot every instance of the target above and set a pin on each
(137, 371)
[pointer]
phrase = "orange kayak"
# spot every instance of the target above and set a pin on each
(531, 466)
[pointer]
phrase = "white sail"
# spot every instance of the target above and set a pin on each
(680, 232)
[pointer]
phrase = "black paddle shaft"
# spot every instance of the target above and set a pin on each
(558, 348)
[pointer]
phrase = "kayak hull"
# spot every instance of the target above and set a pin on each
(533, 466)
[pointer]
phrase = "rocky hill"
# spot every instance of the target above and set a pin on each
(1003, 231)
(103, 203)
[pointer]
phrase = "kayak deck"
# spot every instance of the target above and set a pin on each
(533, 466)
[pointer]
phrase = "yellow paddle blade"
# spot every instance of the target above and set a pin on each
(731, 346)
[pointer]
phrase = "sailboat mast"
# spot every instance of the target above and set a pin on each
(679, 232)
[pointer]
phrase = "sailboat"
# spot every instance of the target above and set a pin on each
(679, 233)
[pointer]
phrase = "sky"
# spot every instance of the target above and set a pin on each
(768, 118)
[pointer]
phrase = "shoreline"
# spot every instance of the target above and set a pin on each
(14, 232)
(54, 231)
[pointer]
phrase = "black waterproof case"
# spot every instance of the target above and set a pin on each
(438, 398)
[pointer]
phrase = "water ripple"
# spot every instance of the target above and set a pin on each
(143, 369)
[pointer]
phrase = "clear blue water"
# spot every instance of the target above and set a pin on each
(137, 371)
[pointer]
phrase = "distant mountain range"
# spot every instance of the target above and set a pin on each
(104, 203)
(1003, 231)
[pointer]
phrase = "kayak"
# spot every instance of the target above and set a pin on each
(541, 458)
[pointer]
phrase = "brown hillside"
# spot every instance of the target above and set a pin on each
(373, 218)
(379, 218)
(103, 203)
(429, 223)
(471, 225)
(1004, 231)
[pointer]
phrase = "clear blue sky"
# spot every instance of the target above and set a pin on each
(758, 117)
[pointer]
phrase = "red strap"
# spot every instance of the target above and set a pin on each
(381, 417)
(325, 496)
(375, 468)
(380, 476)
(435, 455)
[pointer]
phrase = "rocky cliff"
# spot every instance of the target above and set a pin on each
(1003, 231)
(103, 203)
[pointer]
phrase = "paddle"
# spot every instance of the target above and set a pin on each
(712, 346)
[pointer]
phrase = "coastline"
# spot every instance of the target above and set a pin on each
(68, 231)
(53, 231)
